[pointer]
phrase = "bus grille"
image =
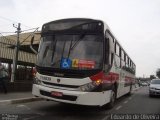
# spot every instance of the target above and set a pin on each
(64, 97)
(60, 85)
(67, 73)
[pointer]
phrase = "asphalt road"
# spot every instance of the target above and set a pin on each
(139, 103)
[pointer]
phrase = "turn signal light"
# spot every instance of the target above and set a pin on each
(98, 82)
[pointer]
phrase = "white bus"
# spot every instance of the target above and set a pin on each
(79, 61)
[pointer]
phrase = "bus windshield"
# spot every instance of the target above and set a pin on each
(80, 51)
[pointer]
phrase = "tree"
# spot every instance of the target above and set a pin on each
(158, 72)
(152, 77)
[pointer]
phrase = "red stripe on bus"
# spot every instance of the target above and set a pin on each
(111, 77)
(129, 79)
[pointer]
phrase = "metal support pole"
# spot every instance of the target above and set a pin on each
(15, 58)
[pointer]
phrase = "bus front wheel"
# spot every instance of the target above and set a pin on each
(112, 100)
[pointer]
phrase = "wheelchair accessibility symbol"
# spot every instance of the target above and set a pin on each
(66, 63)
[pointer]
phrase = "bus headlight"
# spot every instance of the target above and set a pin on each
(90, 86)
(37, 81)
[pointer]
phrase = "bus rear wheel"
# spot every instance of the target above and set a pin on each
(130, 91)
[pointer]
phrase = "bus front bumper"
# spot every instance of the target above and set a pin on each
(73, 97)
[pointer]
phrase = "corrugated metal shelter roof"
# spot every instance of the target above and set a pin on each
(25, 38)
(26, 56)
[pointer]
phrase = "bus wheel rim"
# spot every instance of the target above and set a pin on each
(112, 97)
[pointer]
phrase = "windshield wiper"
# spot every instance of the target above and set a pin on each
(61, 56)
(75, 44)
(72, 46)
(77, 41)
(54, 48)
(55, 62)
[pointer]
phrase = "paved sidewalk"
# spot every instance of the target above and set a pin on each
(17, 97)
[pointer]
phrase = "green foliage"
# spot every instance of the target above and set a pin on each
(152, 77)
(158, 73)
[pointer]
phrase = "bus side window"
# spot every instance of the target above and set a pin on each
(111, 42)
(112, 57)
(123, 60)
(117, 55)
(106, 50)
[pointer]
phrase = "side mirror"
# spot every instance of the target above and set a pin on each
(31, 45)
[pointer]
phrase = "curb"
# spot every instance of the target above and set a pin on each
(31, 99)
(21, 100)
(136, 88)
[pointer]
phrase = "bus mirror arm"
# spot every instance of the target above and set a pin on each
(107, 68)
(31, 45)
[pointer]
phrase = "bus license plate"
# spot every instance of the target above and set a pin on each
(58, 94)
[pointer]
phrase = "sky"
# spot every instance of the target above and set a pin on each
(135, 23)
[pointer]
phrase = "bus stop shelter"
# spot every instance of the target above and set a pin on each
(26, 58)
